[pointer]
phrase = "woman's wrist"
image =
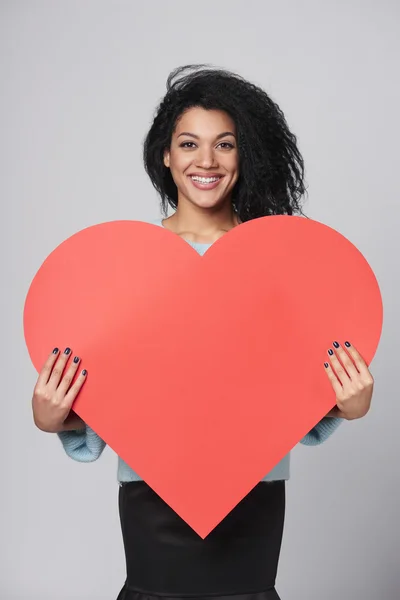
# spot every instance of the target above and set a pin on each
(73, 423)
(333, 414)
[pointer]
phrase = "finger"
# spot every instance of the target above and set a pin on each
(346, 361)
(75, 389)
(68, 377)
(337, 386)
(47, 369)
(358, 361)
(338, 368)
(58, 369)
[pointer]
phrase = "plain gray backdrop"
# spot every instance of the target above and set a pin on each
(79, 84)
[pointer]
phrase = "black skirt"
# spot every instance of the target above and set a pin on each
(166, 559)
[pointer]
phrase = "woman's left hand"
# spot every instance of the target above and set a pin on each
(351, 380)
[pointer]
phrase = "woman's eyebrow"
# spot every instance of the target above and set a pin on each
(221, 135)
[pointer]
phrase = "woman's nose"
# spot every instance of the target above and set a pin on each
(205, 158)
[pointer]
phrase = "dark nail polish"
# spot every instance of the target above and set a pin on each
(67, 351)
(347, 344)
(326, 365)
(330, 352)
(55, 351)
(76, 360)
(336, 344)
(84, 372)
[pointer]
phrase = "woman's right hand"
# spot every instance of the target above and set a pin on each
(53, 395)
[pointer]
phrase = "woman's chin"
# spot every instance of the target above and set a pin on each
(208, 202)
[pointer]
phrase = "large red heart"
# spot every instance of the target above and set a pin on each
(204, 372)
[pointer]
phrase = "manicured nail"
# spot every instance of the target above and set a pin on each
(84, 372)
(76, 360)
(67, 351)
(330, 351)
(55, 351)
(347, 344)
(326, 365)
(336, 344)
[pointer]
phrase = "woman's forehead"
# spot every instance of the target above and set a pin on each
(198, 121)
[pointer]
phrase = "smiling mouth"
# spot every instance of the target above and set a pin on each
(204, 179)
(205, 183)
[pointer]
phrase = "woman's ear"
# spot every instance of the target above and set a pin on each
(166, 158)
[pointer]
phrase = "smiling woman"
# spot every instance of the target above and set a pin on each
(220, 144)
(219, 152)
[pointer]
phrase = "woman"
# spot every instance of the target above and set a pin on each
(219, 153)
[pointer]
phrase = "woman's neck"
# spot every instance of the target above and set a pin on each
(201, 226)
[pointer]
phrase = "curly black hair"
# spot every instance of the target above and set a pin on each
(271, 168)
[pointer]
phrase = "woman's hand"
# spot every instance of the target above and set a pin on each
(351, 381)
(53, 395)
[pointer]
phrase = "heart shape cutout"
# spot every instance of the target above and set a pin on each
(203, 371)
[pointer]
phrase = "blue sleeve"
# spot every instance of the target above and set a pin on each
(321, 431)
(83, 445)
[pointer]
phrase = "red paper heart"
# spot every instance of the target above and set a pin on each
(204, 372)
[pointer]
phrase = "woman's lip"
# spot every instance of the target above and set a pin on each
(205, 186)
(205, 175)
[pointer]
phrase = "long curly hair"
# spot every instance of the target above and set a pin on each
(271, 168)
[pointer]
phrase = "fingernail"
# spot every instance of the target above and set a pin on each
(330, 352)
(326, 365)
(347, 344)
(76, 360)
(84, 372)
(67, 351)
(336, 344)
(55, 351)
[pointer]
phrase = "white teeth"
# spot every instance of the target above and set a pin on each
(205, 179)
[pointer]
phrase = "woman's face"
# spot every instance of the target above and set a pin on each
(203, 157)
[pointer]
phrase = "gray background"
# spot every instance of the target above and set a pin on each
(79, 84)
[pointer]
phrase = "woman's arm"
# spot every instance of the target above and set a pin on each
(322, 431)
(82, 445)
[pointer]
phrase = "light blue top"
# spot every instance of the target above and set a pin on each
(85, 445)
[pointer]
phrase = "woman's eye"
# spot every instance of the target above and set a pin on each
(192, 144)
